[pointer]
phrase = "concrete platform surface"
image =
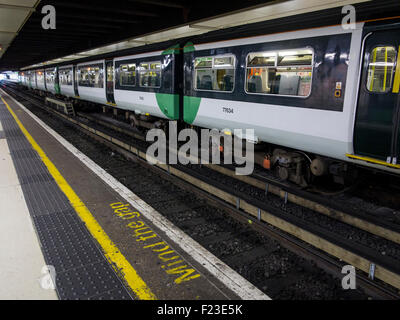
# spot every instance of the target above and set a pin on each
(152, 258)
(21, 260)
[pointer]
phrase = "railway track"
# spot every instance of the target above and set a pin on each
(311, 242)
(331, 207)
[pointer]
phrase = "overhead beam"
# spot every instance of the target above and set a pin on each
(97, 18)
(15, 7)
(62, 22)
(128, 11)
(70, 31)
(160, 3)
(8, 32)
(202, 27)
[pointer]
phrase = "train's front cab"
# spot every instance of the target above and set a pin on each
(376, 130)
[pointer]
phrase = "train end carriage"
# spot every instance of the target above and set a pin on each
(148, 84)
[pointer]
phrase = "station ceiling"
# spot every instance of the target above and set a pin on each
(86, 28)
(85, 24)
(13, 15)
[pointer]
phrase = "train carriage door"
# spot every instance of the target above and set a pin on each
(110, 81)
(396, 90)
(377, 118)
(75, 80)
(56, 81)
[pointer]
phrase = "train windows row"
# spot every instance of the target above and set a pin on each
(40, 76)
(127, 75)
(274, 72)
(381, 69)
(281, 73)
(91, 76)
(65, 77)
(215, 73)
(149, 74)
(49, 76)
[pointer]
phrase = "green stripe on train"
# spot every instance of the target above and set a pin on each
(190, 108)
(168, 104)
(189, 47)
(172, 50)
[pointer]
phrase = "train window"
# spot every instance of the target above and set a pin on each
(150, 74)
(215, 73)
(110, 73)
(266, 59)
(381, 69)
(49, 76)
(91, 76)
(65, 76)
(127, 75)
(40, 76)
(286, 73)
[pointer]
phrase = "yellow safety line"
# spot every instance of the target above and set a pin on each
(396, 84)
(352, 156)
(112, 253)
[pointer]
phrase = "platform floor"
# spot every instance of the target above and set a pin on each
(102, 240)
(21, 259)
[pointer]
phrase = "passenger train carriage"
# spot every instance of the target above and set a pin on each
(66, 81)
(320, 98)
(147, 83)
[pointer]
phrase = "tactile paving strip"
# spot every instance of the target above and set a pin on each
(82, 271)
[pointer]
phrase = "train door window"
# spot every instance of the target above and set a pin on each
(150, 74)
(95, 74)
(40, 77)
(215, 73)
(65, 76)
(91, 76)
(49, 76)
(127, 75)
(69, 77)
(286, 73)
(83, 77)
(381, 68)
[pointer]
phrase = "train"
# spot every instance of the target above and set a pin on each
(323, 100)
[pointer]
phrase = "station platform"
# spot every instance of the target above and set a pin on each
(69, 230)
